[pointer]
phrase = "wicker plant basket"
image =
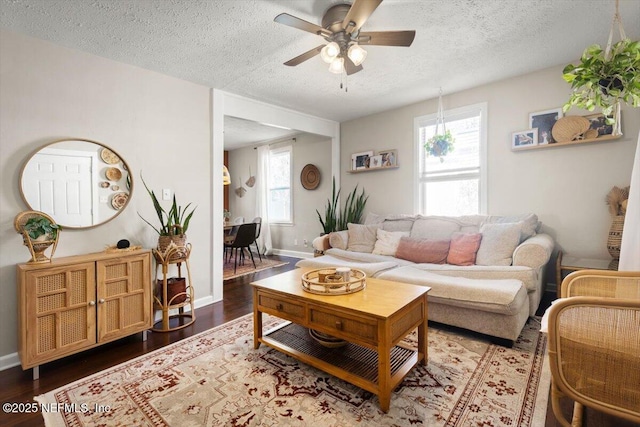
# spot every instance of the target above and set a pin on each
(36, 247)
(177, 238)
(615, 236)
(176, 290)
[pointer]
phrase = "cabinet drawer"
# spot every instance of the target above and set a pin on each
(348, 326)
(283, 307)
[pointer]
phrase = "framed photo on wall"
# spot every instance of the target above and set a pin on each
(524, 139)
(389, 158)
(375, 161)
(597, 122)
(544, 121)
(361, 160)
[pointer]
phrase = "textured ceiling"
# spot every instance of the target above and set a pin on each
(234, 45)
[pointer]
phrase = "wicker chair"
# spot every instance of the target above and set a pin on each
(594, 344)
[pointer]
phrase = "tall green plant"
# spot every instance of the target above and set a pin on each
(336, 219)
(175, 221)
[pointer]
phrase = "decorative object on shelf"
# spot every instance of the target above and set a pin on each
(440, 144)
(336, 219)
(389, 158)
(616, 199)
(39, 232)
(570, 128)
(123, 244)
(524, 139)
(109, 156)
(598, 122)
(113, 174)
(252, 179)
(176, 290)
(605, 78)
(104, 184)
(115, 248)
(115, 187)
(310, 177)
(173, 224)
(318, 282)
(544, 121)
(327, 340)
(360, 161)
(119, 200)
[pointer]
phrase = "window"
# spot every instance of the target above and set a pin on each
(279, 202)
(455, 185)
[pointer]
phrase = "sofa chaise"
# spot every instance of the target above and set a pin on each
(486, 273)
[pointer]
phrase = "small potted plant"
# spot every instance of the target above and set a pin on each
(39, 231)
(173, 224)
(601, 80)
(440, 144)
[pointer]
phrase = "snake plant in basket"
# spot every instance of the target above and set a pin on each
(173, 224)
(336, 219)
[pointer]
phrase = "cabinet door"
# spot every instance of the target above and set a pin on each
(124, 296)
(60, 312)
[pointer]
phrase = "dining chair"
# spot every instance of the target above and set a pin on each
(245, 236)
(258, 221)
(594, 345)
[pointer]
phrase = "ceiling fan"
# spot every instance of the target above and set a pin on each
(341, 25)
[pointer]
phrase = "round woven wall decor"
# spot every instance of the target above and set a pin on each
(310, 177)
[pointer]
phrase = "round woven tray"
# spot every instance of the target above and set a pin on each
(311, 282)
(569, 128)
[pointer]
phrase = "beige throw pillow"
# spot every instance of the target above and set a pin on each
(388, 241)
(362, 238)
(498, 243)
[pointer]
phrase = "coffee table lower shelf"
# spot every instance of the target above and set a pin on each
(353, 363)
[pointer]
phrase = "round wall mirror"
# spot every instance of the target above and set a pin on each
(78, 182)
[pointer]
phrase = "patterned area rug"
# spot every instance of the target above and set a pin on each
(247, 268)
(216, 378)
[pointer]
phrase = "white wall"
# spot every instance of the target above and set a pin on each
(159, 124)
(307, 148)
(564, 186)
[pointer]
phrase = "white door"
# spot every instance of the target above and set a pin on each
(60, 184)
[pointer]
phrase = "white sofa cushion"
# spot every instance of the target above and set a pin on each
(387, 242)
(498, 296)
(498, 243)
(362, 238)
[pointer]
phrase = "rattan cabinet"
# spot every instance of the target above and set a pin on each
(75, 303)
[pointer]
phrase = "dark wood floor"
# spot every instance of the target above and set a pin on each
(17, 385)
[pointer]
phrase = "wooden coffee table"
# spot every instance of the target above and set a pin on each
(373, 321)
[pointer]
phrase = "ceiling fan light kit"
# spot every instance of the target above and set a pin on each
(341, 25)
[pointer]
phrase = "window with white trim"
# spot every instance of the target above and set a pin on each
(280, 194)
(456, 183)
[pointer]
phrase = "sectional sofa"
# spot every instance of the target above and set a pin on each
(486, 273)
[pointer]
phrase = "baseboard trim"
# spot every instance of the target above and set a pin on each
(9, 361)
(293, 254)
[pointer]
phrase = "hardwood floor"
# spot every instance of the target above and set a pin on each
(17, 385)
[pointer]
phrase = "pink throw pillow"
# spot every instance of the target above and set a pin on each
(423, 250)
(463, 249)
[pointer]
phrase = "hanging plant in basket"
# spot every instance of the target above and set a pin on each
(601, 82)
(440, 145)
(606, 77)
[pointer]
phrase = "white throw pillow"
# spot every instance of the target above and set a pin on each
(388, 242)
(498, 243)
(362, 238)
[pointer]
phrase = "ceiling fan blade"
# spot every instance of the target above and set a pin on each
(301, 24)
(350, 67)
(387, 38)
(307, 55)
(358, 14)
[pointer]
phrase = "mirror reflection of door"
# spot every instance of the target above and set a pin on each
(60, 182)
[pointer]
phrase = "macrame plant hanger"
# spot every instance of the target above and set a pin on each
(617, 130)
(440, 116)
